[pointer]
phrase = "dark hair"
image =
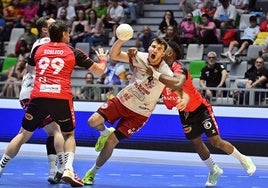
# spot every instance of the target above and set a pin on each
(161, 41)
(253, 19)
(176, 48)
(56, 30)
(205, 15)
(40, 23)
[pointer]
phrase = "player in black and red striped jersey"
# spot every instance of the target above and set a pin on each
(52, 95)
(197, 116)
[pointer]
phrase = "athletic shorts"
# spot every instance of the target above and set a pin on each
(25, 103)
(200, 121)
(241, 41)
(60, 110)
(129, 121)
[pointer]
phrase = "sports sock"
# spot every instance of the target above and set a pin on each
(210, 163)
(52, 160)
(237, 154)
(3, 162)
(105, 132)
(69, 158)
(61, 159)
(94, 169)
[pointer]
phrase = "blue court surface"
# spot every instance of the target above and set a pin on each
(133, 169)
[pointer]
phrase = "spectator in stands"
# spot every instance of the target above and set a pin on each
(63, 17)
(82, 5)
(70, 13)
(115, 16)
(3, 35)
(168, 19)
(29, 12)
(257, 77)
(225, 16)
(264, 52)
(96, 34)
(128, 78)
(207, 31)
(28, 36)
(213, 75)
(11, 89)
(47, 9)
(188, 30)
(189, 6)
(209, 9)
(144, 38)
(241, 6)
(115, 73)
(80, 28)
(131, 9)
(264, 24)
(101, 7)
(172, 34)
(13, 14)
(88, 92)
(249, 35)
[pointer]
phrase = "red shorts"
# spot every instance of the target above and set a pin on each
(129, 121)
(24, 104)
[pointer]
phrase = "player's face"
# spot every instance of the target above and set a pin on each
(156, 53)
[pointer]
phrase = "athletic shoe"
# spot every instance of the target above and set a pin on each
(88, 179)
(214, 176)
(102, 140)
(226, 54)
(71, 178)
(51, 176)
(231, 58)
(248, 165)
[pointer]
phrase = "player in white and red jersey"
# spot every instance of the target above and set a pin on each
(133, 105)
(51, 95)
(198, 117)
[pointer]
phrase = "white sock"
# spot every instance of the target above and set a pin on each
(69, 158)
(3, 162)
(94, 169)
(237, 154)
(61, 159)
(52, 160)
(210, 163)
(105, 132)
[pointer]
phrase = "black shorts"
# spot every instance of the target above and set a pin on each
(60, 110)
(241, 41)
(202, 120)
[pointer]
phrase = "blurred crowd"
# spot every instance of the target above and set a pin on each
(95, 22)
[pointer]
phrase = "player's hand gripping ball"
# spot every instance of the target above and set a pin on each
(124, 32)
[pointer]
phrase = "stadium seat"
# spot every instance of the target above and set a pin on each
(194, 52)
(217, 48)
(8, 62)
(237, 70)
(84, 46)
(14, 37)
(195, 68)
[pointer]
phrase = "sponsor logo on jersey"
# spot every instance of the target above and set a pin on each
(28, 116)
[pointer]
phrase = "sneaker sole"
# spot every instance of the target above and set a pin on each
(72, 182)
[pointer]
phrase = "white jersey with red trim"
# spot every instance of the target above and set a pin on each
(142, 95)
(28, 79)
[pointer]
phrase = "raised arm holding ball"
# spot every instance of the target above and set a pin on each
(134, 104)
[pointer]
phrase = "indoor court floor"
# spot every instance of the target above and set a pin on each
(133, 169)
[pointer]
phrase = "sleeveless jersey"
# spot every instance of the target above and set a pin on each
(142, 94)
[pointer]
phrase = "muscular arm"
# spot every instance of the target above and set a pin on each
(117, 54)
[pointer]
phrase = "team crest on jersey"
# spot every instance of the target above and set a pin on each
(207, 124)
(187, 129)
(28, 116)
(104, 106)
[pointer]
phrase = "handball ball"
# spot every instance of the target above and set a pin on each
(124, 32)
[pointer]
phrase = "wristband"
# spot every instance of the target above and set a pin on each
(156, 75)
